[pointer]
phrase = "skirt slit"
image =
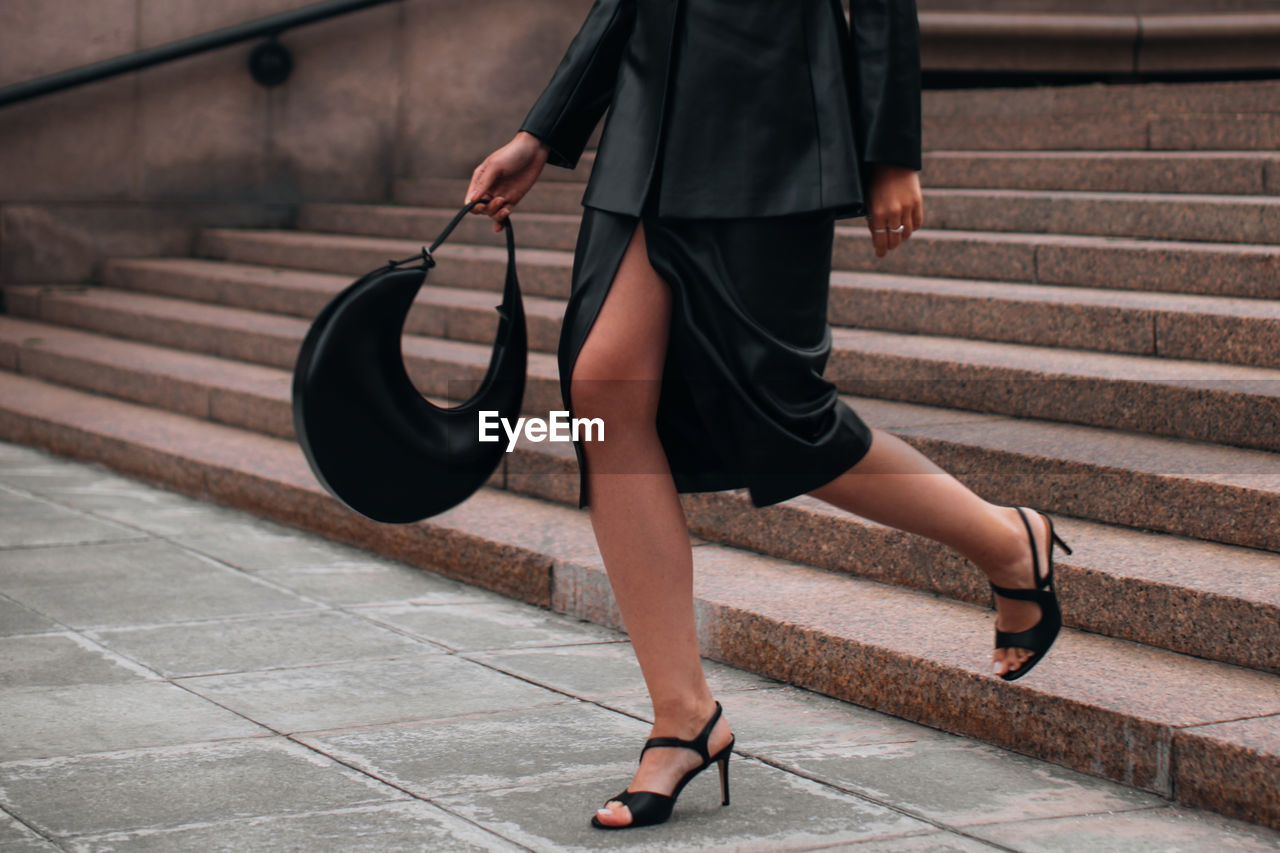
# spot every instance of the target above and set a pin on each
(744, 403)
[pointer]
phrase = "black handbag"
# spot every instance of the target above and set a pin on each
(372, 440)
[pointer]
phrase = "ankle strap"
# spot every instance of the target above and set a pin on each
(698, 744)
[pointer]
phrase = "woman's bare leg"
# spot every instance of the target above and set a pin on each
(895, 484)
(636, 514)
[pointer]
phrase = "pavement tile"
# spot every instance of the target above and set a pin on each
(934, 842)
(536, 747)
(16, 838)
(422, 687)
(116, 498)
(771, 811)
(261, 546)
(240, 645)
(172, 786)
(169, 514)
(43, 722)
(27, 522)
(790, 720)
(605, 672)
(374, 581)
(961, 782)
(1163, 830)
(16, 619)
(400, 826)
(56, 660)
(133, 583)
(492, 625)
(14, 456)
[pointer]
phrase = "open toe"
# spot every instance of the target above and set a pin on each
(1037, 639)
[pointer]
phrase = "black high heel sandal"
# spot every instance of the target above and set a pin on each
(1039, 637)
(650, 807)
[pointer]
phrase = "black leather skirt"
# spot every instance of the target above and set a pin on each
(743, 402)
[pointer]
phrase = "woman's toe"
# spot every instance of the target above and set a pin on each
(614, 814)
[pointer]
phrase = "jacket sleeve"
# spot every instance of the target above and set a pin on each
(581, 88)
(885, 40)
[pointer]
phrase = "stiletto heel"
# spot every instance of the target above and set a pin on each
(1039, 637)
(650, 807)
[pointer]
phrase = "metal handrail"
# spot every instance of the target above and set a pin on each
(268, 27)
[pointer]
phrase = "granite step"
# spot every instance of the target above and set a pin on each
(1207, 172)
(1226, 404)
(1168, 266)
(1102, 6)
(1085, 472)
(543, 272)
(438, 366)
(1101, 102)
(1155, 586)
(247, 301)
(1205, 328)
(1208, 131)
(1230, 172)
(1177, 266)
(1165, 216)
(1202, 732)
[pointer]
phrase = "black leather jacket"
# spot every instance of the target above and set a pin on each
(762, 107)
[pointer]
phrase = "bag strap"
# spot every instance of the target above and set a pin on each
(427, 253)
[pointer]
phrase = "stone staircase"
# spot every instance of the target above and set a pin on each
(1089, 324)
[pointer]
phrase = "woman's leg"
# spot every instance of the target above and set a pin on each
(636, 514)
(895, 484)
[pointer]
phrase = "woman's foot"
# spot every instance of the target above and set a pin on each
(1016, 573)
(662, 767)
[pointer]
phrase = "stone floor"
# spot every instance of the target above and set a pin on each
(179, 676)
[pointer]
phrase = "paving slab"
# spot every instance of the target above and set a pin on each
(176, 785)
(32, 524)
(134, 583)
(771, 810)
(934, 842)
(605, 673)
(16, 619)
(15, 837)
(490, 625)
(419, 687)
(373, 581)
(455, 719)
(268, 546)
(268, 642)
(57, 660)
(479, 752)
(400, 826)
(960, 783)
(88, 718)
(1170, 829)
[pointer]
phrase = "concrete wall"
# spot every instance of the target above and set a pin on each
(418, 87)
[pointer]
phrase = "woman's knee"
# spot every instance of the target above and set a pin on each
(603, 387)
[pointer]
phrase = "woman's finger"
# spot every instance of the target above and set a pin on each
(879, 236)
(478, 187)
(895, 232)
(917, 216)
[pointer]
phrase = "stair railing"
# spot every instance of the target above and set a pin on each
(270, 62)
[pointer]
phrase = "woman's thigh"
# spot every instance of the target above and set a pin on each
(625, 350)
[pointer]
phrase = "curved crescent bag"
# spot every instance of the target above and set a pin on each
(371, 438)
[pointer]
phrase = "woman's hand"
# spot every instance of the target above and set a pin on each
(896, 202)
(506, 175)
